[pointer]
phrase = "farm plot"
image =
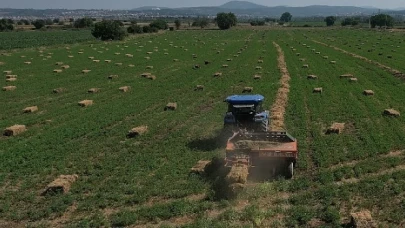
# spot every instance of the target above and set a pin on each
(359, 168)
(122, 181)
(383, 46)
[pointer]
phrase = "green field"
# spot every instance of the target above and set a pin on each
(146, 181)
(31, 39)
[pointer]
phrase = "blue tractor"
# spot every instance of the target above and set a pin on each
(246, 112)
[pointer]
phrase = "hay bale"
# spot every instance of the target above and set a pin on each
(65, 67)
(9, 88)
(11, 79)
(317, 90)
(61, 185)
(7, 72)
(257, 77)
(15, 130)
(336, 128)
(94, 90)
(151, 77)
(368, 92)
(217, 74)
(346, 76)
(302, 60)
(129, 55)
(131, 65)
(147, 57)
(247, 90)
(70, 56)
(91, 57)
(125, 89)
(298, 54)
(391, 112)
(224, 66)
(57, 71)
(144, 75)
(80, 52)
(197, 66)
(199, 168)
(11, 76)
(229, 60)
(206, 62)
(30, 109)
(107, 61)
(149, 67)
(362, 219)
(85, 103)
(318, 53)
(117, 53)
(325, 57)
(118, 64)
(199, 88)
(259, 61)
(58, 63)
(113, 77)
(171, 106)
(333, 62)
(258, 68)
(138, 131)
(149, 52)
(305, 66)
(85, 71)
(311, 76)
(353, 80)
(59, 90)
(175, 60)
(97, 61)
(238, 174)
(28, 63)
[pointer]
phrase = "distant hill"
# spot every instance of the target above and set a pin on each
(240, 5)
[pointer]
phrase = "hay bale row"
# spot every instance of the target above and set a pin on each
(15, 130)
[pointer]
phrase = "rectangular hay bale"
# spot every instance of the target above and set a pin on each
(15, 130)
(60, 185)
(171, 106)
(336, 128)
(9, 88)
(137, 131)
(30, 109)
(85, 103)
(125, 89)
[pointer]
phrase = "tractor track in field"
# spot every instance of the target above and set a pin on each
(394, 72)
(280, 104)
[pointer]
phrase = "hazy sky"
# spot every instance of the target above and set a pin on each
(129, 4)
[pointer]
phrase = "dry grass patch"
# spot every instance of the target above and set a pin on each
(362, 219)
(60, 185)
(85, 103)
(238, 174)
(15, 130)
(138, 131)
(199, 168)
(30, 109)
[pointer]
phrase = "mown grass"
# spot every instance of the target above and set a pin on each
(146, 180)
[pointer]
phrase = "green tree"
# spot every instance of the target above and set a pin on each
(286, 17)
(201, 22)
(5, 25)
(177, 22)
(350, 21)
(85, 22)
(56, 21)
(225, 20)
(149, 29)
(257, 22)
(38, 24)
(134, 29)
(330, 21)
(109, 30)
(381, 20)
(48, 22)
(159, 24)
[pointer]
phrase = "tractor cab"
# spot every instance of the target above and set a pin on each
(246, 111)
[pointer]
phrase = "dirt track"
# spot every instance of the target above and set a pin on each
(280, 104)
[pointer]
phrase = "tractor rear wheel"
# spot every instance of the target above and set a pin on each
(290, 170)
